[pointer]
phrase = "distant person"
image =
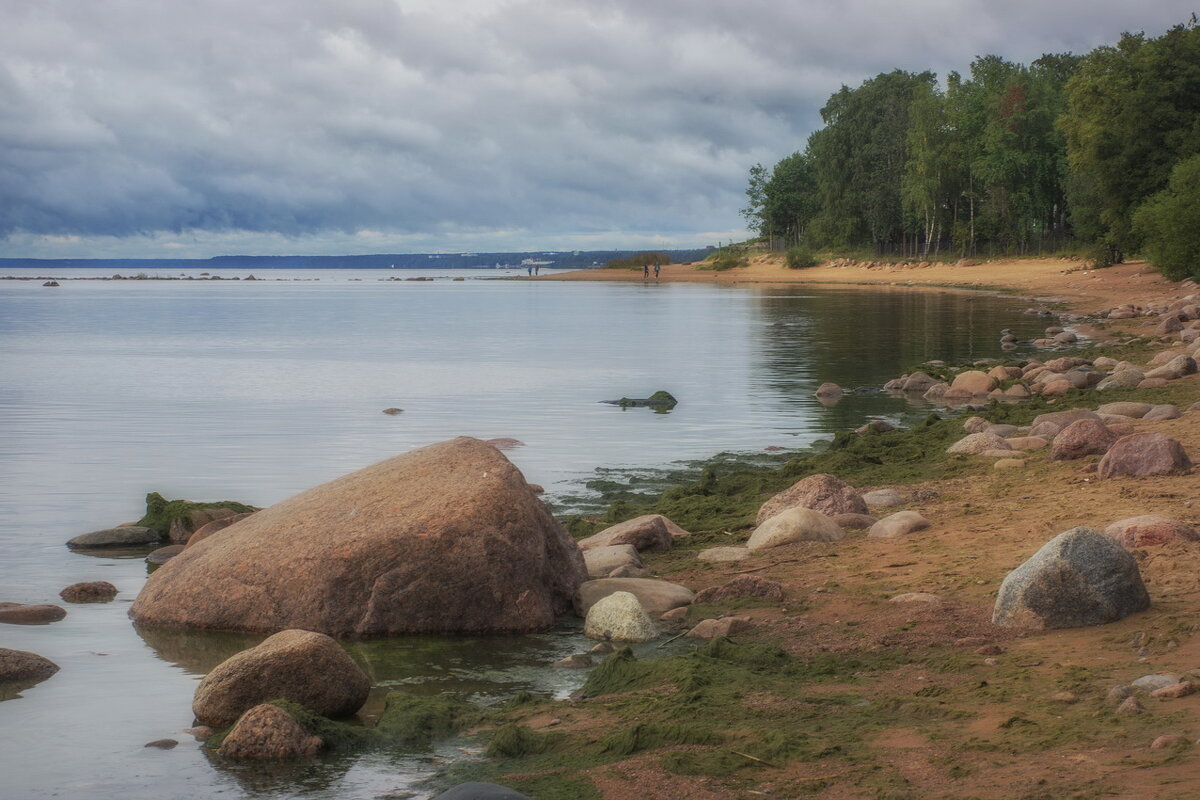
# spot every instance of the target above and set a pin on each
(656, 269)
(645, 272)
(529, 269)
(537, 269)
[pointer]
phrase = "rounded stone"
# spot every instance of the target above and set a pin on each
(619, 617)
(794, 525)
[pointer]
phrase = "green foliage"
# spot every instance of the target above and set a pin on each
(725, 260)
(161, 512)
(636, 738)
(1169, 223)
(800, 258)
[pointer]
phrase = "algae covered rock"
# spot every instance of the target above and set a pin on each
(1080, 577)
(268, 733)
(619, 617)
(659, 401)
(445, 539)
(301, 666)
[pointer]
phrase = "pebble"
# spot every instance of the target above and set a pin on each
(1065, 697)
(1181, 689)
(1118, 693)
(1166, 740)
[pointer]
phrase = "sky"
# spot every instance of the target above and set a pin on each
(152, 129)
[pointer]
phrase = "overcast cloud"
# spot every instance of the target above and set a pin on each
(145, 128)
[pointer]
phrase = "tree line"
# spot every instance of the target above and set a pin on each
(1100, 151)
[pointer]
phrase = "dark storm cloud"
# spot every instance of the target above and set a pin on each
(364, 123)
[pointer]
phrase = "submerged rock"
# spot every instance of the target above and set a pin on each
(89, 592)
(23, 667)
(1080, 577)
(445, 539)
(660, 401)
(305, 667)
(21, 614)
(129, 536)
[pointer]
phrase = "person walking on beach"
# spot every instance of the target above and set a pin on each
(529, 269)
(656, 269)
(645, 272)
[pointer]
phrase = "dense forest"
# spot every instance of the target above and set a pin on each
(1097, 153)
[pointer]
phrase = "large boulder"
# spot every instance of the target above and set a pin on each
(20, 666)
(302, 666)
(1083, 437)
(128, 536)
(918, 382)
(1125, 409)
(268, 733)
(1080, 577)
(1150, 530)
(216, 526)
(657, 597)
(446, 539)
(650, 532)
(1143, 454)
(1064, 418)
(820, 492)
(794, 525)
(1176, 368)
(619, 617)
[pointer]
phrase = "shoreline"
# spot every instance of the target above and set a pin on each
(1039, 279)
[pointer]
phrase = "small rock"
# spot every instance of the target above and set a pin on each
(23, 667)
(794, 525)
(1131, 705)
(915, 597)
(1081, 438)
(619, 617)
(576, 661)
(1162, 412)
(89, 592)
(675, 615)
(739, 587)
(393, 411)
(829, 391)
(162, 744)
(1144, 454)
(1175, 690)
(1152, 683)
(201, 732)
(1150, 530)
(130, 536)
(723, 554)
(1068, 698)
(1118, 693)
(21, 614)
(901, 523)
(164, 554)
(1167, 740)
(884, 497)
(268, 733)
(976, 443)
(714, 628)
(990, 650)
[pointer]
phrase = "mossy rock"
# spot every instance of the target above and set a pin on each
(161, 513)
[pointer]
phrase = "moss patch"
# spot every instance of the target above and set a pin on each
(161, 512)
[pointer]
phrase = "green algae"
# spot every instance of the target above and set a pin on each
(514, 741)
(161, 513)
(414, 722)
(650, 736)
(335, 736)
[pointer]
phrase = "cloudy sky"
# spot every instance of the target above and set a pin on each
(156, 128)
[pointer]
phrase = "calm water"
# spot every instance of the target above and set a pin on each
(254, 391)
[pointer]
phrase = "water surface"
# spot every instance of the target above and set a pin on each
(254, 391)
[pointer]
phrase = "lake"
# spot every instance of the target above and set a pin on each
(253, 391)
